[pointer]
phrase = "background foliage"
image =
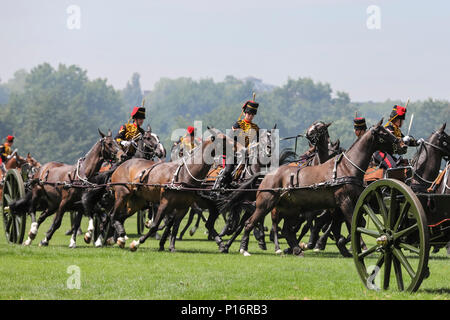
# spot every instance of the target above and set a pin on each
(55, 113)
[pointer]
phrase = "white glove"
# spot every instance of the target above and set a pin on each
(125, 143)
(407, 139)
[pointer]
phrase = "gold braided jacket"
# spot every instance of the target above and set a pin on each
(246, 127)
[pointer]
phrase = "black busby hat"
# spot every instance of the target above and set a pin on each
(250, 107)
(359, 123)
(138, 113)
(398, 112)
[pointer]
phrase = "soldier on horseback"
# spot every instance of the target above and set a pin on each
(186, 143)
(247, 131)
(130, 131)
(359, 125)
(394, 124)
(5, 152)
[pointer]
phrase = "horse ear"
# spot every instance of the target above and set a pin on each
(274, 127)
(109, 133)
(443, 127)
(379, 123)
(149, 129)
(101, 133)
(208, 127)
(329, 124)
(28, 155)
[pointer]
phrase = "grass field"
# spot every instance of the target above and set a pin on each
(195, 271)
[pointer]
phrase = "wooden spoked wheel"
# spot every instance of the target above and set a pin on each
(13, 190)
(391, 221)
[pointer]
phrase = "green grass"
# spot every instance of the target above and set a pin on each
(195, 271)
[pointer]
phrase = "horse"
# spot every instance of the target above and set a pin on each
(53, 185)
(336, 183)
(154, 179)
(245, 169)
(425, 168)
(318, 134)
(17, 162)
(148, 147)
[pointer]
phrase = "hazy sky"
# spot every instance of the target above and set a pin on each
(271, 40)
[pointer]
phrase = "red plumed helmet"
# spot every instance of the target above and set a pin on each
(190, 129)
(10, 138)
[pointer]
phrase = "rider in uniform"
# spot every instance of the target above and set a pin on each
(132, 130)
(187, 142)
(5, 152)
(359, 125)
(394, 124)
(245, 129)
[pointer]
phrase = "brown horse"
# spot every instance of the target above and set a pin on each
(338, 184)
(17, 162)
(189, 171)
(319, 137)
(49, 184)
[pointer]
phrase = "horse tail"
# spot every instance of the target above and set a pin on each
(239, 195)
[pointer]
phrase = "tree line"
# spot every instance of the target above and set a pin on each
(55, 112)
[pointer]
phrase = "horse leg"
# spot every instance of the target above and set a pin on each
(76, 225)
(290, 235)
(275, 222)
(213, 214)
(247, 214)
(264, 204)
(258, 232)
(179, 216)
(56, 222)
(199, 212)
(305, 229)
(344, 212)
(163, 209)
(170, 219)
(188, 224)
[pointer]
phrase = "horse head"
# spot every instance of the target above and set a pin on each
(384, 140)
(318, 133)
(110, 149)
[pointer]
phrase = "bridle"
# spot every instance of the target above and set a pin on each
(446, 153)
(380, 140)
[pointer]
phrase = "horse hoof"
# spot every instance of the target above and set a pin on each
(279, 251)
(121, 242)
(245, 253)
(148, 223)
(172, 250)
(99, 243)
(262, 246)
(126, 238)
(110, 241)
(161, 249)
(43, 244)
(87, 238)
(297, 251)
(27, 242)
(316, 250)
(134, 246)
(72, 245)
(224, 249)
(303, 246)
